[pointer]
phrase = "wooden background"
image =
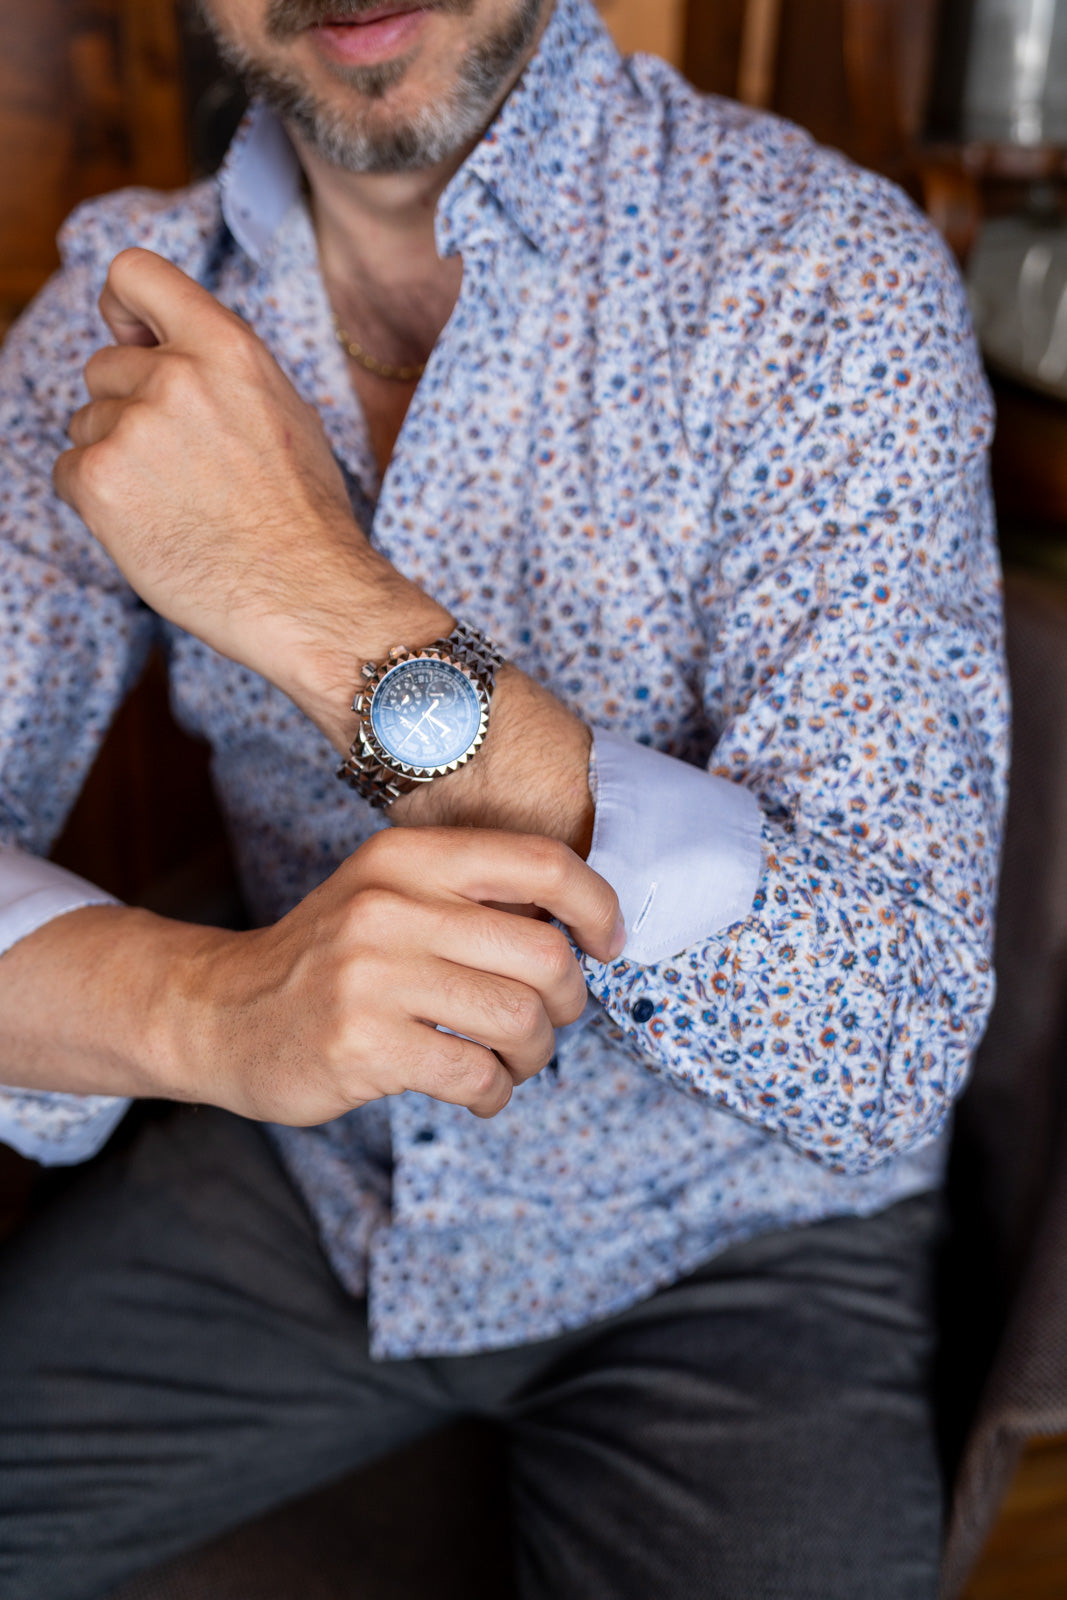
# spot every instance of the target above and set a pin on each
(94, 94)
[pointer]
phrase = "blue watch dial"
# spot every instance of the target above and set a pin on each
(425, 713)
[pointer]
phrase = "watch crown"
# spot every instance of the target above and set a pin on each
(370, 668)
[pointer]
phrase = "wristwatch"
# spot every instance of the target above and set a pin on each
(422, 713)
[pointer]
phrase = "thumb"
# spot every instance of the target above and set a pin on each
(147, 299)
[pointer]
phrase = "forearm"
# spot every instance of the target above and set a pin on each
(400, 972)
(95, 1003)
(256, 550)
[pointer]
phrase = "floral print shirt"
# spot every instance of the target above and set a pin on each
(703, 447)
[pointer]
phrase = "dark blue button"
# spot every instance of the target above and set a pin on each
(425, 1136)
(642, 1010)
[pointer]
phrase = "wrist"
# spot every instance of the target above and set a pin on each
(363, 620)
(192, 1013)
(530, 776)
(128, 1007)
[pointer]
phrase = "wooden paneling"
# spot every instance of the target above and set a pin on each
(712, 50)
(34, 85)
(90, 99)
(656, 26)
(856, 73)
(806, 68)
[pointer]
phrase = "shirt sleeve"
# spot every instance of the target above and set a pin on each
(856, 683)
(73, 640)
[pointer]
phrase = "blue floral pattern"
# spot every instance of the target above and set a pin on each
(704, 447)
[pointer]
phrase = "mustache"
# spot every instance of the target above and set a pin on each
(288, 17)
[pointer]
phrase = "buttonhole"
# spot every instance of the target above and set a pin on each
(645, 909)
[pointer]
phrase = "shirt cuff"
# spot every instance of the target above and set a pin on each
(57, 1129)
(32, 892)
(681, 847)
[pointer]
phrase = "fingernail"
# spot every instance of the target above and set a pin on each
(618, 939)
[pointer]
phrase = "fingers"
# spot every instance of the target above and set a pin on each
(454, 1070)
(117, 371)
(147, 300)
(65, 476)
(506, 1017)
(396, 976)
(529, 952)
(483, 865)
(95, 422)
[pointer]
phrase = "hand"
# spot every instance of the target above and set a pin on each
(337, 1003)
(212, 486)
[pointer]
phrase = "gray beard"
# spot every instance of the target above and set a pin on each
(348, 138)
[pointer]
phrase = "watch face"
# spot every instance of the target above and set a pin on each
(426, 713)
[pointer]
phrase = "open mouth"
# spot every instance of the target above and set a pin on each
(373, 37)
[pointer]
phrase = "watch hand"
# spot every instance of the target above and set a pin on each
(416, 728)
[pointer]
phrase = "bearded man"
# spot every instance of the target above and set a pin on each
(593, 476)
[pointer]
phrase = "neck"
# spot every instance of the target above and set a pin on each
(377, 229)
(378, 252)
(380, 223)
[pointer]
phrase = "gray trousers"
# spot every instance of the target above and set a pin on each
(176, 1357)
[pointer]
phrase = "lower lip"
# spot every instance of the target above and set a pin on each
(366, 43)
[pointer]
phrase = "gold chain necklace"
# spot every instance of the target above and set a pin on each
(369, 363)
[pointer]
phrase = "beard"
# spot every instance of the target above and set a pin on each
(363, 137)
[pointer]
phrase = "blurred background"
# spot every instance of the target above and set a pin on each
(964, 102)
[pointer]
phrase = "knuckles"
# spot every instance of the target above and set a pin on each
(487, 1089)
(553, 955)
(378, 853)
(549, 859)
(235, 345)
(454, 1070)
(175, 383)
(378, 913)
(516, 1013)
(90, 478)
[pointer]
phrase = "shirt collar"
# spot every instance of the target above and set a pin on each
(535, 164)
(259, 181)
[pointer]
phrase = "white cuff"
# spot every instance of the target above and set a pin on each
(32, 892)
(681, 847)
(50, 1127)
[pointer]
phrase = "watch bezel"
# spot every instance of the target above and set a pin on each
(372, 745)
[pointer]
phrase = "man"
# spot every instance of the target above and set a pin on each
(651, 441)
